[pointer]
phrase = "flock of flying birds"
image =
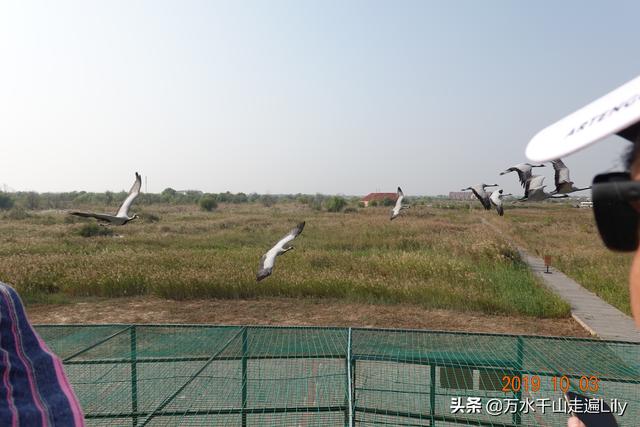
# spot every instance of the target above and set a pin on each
(532, 184)
(268, 260)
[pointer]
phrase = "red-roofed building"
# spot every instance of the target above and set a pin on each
(379, 197)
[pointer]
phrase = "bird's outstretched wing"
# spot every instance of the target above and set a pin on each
(133, 193)
(295, 232)
(524, 175)
(100, 217)
(262, 260)
(268, 260)
(522, 169)
(396, 209)
(475, 193)
(561, 175)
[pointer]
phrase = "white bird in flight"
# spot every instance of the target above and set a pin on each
(268, 260)
(496, 201)
(398, 207)
(122, 216)
(481, 194)
(564, 185)
(534, 190)
(523, 170)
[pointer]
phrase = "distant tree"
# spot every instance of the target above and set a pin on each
(225, 197)
(316, 203)
(32, 200)
(268, 200)
(336, 204)
(361, 204)
(169, 194)
(303, 199)
(208, 202)
(388, 202)
(253, 197)
(6, 202)
(240, 198)
(373, 203)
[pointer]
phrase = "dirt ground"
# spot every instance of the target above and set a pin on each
(290, 312)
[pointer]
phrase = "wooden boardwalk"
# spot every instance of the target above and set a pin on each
(595, 315)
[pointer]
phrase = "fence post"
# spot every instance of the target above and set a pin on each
(134, 375)
(517, 416)
(432, 394)
(244, 376)
(350, 388)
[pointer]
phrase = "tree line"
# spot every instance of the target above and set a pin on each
(30, 200)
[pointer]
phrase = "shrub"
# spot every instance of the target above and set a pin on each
(32, 200)
(350, 210)
(169, 194)
(6, 202)
(304, 199)
(17, 213)
(208, 203)
(225, 197)
(267, 200)
(361, 204)
(240, 198)
(316, 203)
(150, 217)
(92, 229)
(373, 203)
(388, 202)
(336, 204)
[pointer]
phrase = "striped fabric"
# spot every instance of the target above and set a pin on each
(34, 390)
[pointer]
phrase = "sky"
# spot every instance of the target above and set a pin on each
(333, 97)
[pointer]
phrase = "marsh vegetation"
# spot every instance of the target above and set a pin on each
(431, 257)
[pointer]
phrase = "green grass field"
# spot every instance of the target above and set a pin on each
(570, 237)
(436, 258)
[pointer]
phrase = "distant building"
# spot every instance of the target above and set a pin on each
(461, 195)
(187, 192)
(378, 197)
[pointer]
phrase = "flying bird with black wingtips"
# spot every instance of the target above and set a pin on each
(122, 216)
(480, 193)
(534, 190)
(395, 212)
(496, 200)
(564, 185)
(524, 171)
(268, 260)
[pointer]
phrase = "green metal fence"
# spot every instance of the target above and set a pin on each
(157, 375)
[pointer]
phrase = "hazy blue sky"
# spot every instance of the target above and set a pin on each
(299, 96)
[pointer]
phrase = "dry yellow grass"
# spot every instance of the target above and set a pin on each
(435, 258)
